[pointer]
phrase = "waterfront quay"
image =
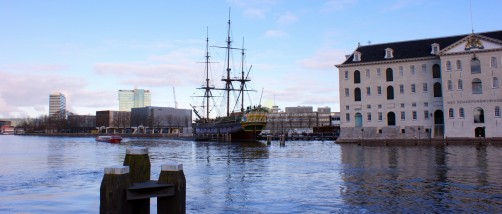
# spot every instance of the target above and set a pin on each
(63, 175)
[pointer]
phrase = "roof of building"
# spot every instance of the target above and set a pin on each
(409, 49)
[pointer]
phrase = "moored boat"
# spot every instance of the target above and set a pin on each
(109, 138)
(243, 125)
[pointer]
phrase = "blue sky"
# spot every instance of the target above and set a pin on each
(89, 50)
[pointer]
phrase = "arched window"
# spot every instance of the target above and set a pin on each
(497, 111)
(477, 87)
(475, 65)
(436, 71)
(461, 113)
(451, 113)
(357, 94)
(495, 82)
(460, 85)
(437, 90)
(493, 62)
(357, 76)
(391, 119)
(390, 93)
(479, 115)
(389, 75)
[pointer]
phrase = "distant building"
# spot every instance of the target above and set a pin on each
(113, 121)
(297, 120)
(81, 123)
(162, 119)
(136, 98)
(57, 105)
(445, 87)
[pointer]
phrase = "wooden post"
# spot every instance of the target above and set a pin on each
(269, 139)
(113, 196)
(172, 173)
(282, 140)
(139, 164)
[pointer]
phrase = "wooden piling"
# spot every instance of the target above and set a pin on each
(172, 173)
(113, 190)
(269, 139)
(139, 164)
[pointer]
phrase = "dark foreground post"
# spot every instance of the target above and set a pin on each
(172, 173)
(113, 190)
(139, 165)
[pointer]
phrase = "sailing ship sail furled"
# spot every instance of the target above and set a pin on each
(243, 125)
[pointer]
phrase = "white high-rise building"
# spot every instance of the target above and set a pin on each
(136, 98)
(57, 105)
(445, 87)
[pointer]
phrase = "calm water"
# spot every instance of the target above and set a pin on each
(63, 175)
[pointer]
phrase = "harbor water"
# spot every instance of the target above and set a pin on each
(63, 175)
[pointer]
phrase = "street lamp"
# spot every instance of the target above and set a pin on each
(362, 135)
(419, 134)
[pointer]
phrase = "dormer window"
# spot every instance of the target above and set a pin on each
(435, 48)
(389, 53)
(357, 56)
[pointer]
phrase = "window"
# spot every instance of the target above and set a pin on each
(450, 85)
(477, 87)
(495, 82)
(369, 116)
(448, 65)
(424, 68)
(380, 116)
(425, 87)
(436, 71)
(379, 73)
(346, 92)
(401, 89)
(414, 115)
(435, 48)
(390, 93)
(461, 112)
(389, 53)
(413, 104)
(475, 65)
(389, 76)
(426, 104)
(412, 70)
(459, 85)
(458, 65)
(426, 115)
(479, 115)
(357, 56)
(347, 107)
(493, 62)
(367, 73)
(347, 117)
(346, 75)
(450, 113)
(379, 90)
(412, 88)
(403, 115)
(401, 71)
(402, 105)
(357, 76)
(368, 91)
(437, 90)
(497, 111)
(357, 94)
(368, 106)
(379, 106)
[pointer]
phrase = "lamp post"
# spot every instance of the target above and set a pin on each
(419, 134)
(362, 135)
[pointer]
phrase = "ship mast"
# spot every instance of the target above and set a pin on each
(228, 81)
(207, 93)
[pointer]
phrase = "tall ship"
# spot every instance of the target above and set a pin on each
(235, 124)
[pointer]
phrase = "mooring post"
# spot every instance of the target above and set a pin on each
(282, 140)
(269, 139)
(172, 173)
(139, 165)
(113, 196)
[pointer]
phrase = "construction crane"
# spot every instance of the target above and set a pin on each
(174, 96)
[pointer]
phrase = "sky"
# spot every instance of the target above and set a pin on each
(88, 50)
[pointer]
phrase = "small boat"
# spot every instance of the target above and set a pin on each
(109, 139)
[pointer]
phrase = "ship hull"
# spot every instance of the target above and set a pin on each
(235, 130)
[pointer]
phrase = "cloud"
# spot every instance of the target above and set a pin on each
(287, 18)
(275, 34)
(337, 5)
(255, 13)
(323, 59)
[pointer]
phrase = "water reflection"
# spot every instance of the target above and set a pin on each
(422, 179)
